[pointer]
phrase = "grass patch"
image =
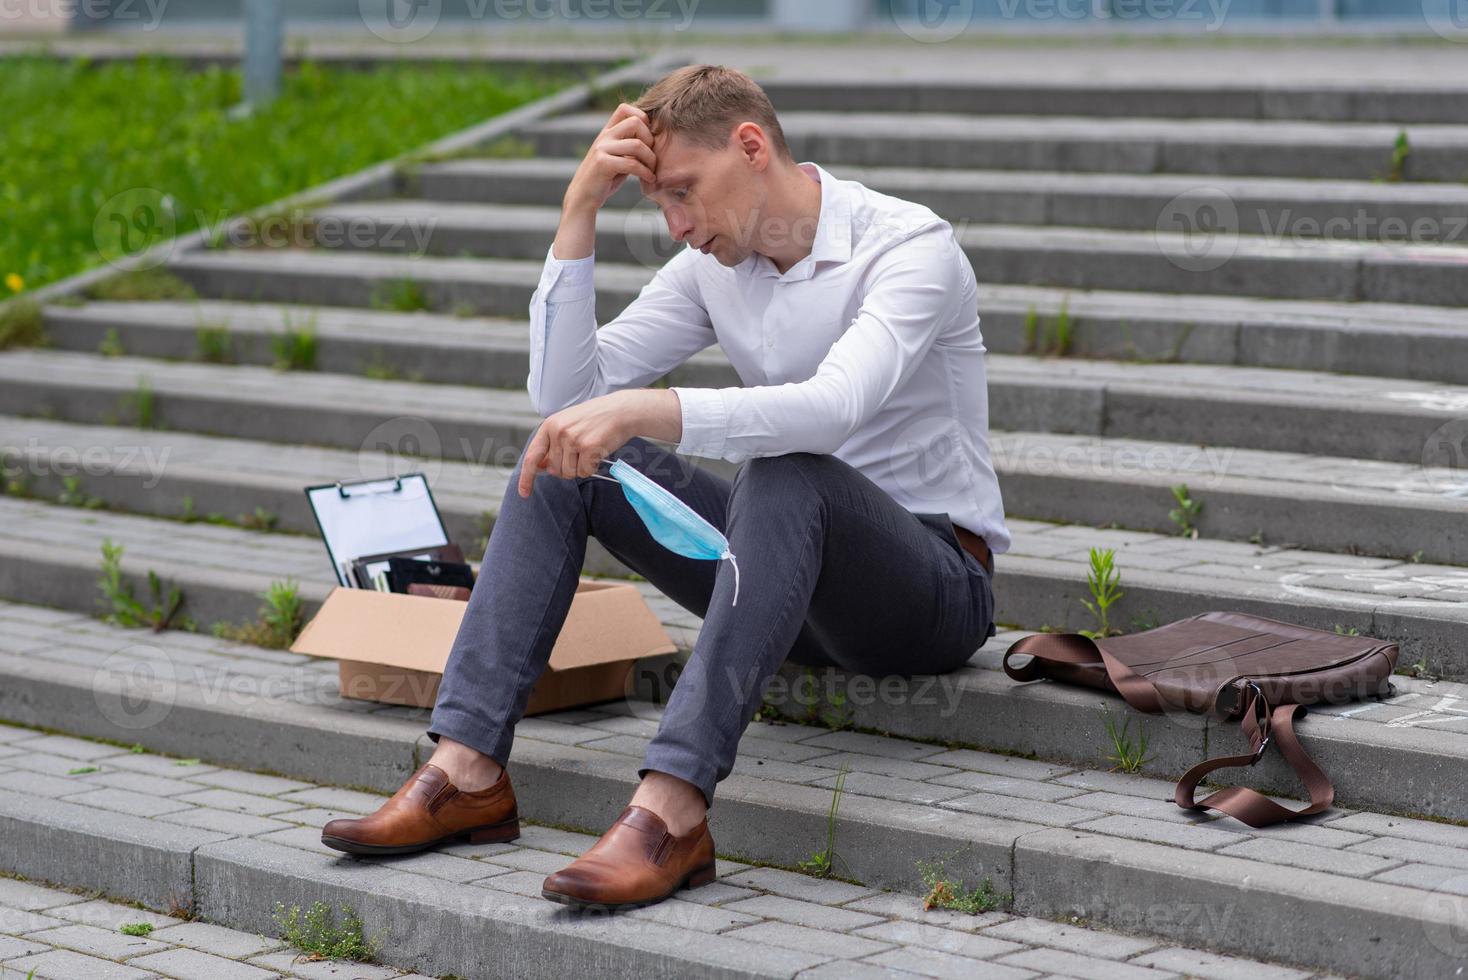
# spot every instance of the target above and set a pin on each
(1128, 754)
(946, 893)
(21, 325)
(316, 931)
(79, 187)
(400, 296)
(280, 619)
(142, 285)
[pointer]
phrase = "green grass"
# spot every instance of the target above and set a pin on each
(317, 931)
(20, 325)
(78, 134)
(947, 893)
(1102, 580)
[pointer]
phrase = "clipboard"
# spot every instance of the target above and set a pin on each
(371, 517)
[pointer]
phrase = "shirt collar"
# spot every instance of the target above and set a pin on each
(833, 234)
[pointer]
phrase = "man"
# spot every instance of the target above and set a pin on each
(862, 517)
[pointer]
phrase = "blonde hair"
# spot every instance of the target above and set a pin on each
(703, 103)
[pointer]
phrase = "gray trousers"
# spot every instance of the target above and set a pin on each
(833, 571)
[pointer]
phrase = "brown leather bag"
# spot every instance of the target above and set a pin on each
(1225, 665)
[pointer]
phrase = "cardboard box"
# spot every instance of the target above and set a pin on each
(392, 647)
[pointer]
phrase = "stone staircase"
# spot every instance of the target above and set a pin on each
(1308, 392)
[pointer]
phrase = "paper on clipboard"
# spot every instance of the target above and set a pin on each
(375, 516)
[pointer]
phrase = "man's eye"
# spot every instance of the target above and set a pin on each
(680, 194)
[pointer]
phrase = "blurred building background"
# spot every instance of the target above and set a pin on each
(59, 16)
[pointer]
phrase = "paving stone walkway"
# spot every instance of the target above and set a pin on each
(844, 930)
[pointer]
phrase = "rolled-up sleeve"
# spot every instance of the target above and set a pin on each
(571, 360)
(911, 293)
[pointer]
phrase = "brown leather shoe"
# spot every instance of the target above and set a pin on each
(426, 811)
(635, 863)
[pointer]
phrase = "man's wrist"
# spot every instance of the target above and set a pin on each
(576, 236)
(656, 413)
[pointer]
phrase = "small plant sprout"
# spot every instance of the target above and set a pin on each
(215, 344)
(1103, 579)
(295, 347)
(1342, 630)
(279, 619)
(1401, 150)
(124, 609)
(1128, 756)
(821, 862)
(111, 345)
(400, 296)
(1054, 338)
(72, 494)
(135, 928)
(1032, 330)
(260, 520)
(1185, 514)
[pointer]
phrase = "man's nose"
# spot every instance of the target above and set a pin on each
(678, 226)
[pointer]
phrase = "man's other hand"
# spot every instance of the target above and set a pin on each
(572, 442)
(623, 148)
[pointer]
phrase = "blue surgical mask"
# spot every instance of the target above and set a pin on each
(674, 524)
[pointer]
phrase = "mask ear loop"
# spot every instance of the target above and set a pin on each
(730, 555)
(600, 477)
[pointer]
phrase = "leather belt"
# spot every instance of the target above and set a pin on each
(976, 546)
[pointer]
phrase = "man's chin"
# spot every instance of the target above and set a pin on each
(726, 259)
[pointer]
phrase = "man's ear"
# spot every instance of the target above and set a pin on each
(753, 144)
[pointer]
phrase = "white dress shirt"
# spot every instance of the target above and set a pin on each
(868, 349)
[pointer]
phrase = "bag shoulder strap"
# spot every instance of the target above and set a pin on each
(1247, 805)
(1260, 725)
(1073, 648)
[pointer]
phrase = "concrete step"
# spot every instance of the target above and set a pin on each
(1366, 894)
(1109, 98)
(1041, 582)
(1246, 408)
(1381, 339)
(1073, 258)
(149, 473)
(1269, 148)
(1318, 502)
(320, 277)
(1299, 210)
(426, 347)
(58, 932)
(215, 839)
